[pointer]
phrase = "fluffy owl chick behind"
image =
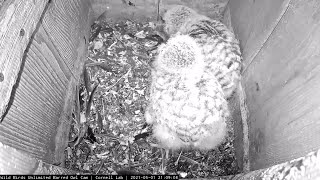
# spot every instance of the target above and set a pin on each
(187, 107)
(218, 44)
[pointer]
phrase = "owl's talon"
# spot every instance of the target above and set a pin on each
(164, 157)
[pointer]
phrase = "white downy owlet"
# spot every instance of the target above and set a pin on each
(187, 106)
(218, 44)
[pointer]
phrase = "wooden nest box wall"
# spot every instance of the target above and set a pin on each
(43, 45)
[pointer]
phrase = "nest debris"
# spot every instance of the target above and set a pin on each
(116, 139)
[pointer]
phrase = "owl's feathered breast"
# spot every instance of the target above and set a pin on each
(190, 111)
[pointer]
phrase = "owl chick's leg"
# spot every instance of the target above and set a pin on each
(165, 158)
(167, 154)
(163, 163)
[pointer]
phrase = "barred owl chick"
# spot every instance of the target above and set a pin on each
(176, 16)
(181, 54)
(187, 107)
(219, 45)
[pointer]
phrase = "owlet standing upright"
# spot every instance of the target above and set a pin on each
(187, 106)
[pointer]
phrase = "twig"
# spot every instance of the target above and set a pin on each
(144, 171)
(109, 136)
(77, 116)
(117, 41)
(144, 163)
(117, 154)
(158, 11)
(86, 79)
(144, 57)
(111, 86)
(103, 107)
(82, 131)
(121, 152)
(99, 120)
(93, 62)
(131, 20)
(89, 102)
(176, 163)
(129, 155)
(101, 165)
(109, 48)
(154, 153)
(192, 161)
(155, 145)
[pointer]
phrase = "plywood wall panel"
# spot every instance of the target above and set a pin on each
(18, 21)
(253, 22)
(42, 93)
(70, 41)
(37, 130)
(34, 124)
(60, 33)
(32, 148)
(37, 121)
(63, 25)
(282, 88)
(45, 88)
(17, 162)
(43, 54)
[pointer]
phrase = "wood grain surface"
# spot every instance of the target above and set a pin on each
(254, 21)
(14, 162)
(42, 103)
(18, 21)
(282, 77)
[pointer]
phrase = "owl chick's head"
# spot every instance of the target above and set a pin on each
(180, 54)
(176, 16)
